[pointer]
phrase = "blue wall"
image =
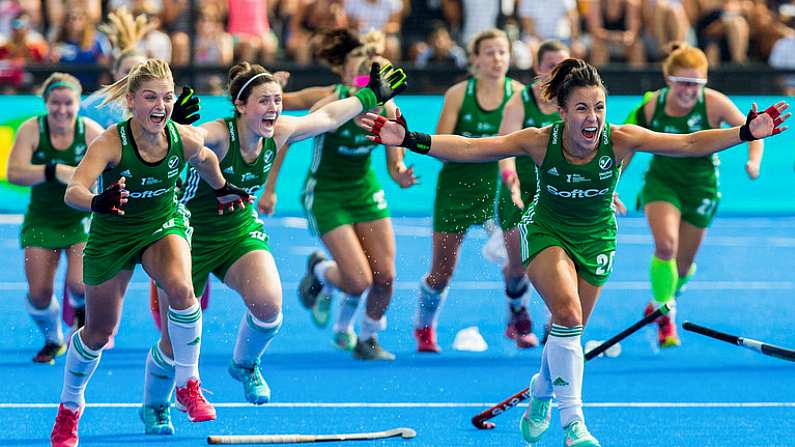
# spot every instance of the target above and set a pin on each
(770, 194)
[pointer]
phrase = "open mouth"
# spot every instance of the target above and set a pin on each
(589, 132)
(157, 117)
(269, 121)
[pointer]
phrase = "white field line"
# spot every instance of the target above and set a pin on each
(27, 406)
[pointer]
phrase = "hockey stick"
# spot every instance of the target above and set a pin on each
(480, 420)
(749, 343)
(403, 432)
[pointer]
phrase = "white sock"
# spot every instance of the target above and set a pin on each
(185, 328)
(48, 320)
(158, 378)
(516, 292)
(253, 338)
(429, 304)
(81, 362)
(566, 369)
(370, 328)
(77, 301)
(542, 387)
(348, 308)
(320, 270)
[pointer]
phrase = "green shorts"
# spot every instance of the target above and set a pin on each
(697, 202)
(108, 253)
(217, 256)
(592, 252)
(329, 205)
(465, 196)
(52, 235)
(509, 214)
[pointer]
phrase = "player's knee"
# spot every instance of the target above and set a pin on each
(568, 315)
(384, 279)
(180, 294)
(98, 336)
(665, 249)
(40, 296)
(76, 288)
(266, 310)
(357, 285)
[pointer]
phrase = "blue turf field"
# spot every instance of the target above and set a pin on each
(706, 393)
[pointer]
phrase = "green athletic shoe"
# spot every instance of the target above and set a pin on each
(345, 340)
(156, 419)
(577, 436)
(321, 310)
(255, 388)
(535, 421)
(370, 350)
(310, 287)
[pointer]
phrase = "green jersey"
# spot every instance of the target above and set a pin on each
(576, 198)
(474, 122)
(150, 184)
(509, 215)
(151, 213)
(573, 208)
(47, 199)
(341, 156)
(465, 192)
(533, 117)
(682, 171)
(200, 198)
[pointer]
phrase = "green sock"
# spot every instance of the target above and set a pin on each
(663, 279)
(683, 280)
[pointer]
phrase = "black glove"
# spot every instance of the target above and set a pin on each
(385, 83)
(109, 201)
(186, 108)
(231, 190)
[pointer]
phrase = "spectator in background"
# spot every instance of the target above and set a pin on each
(78, 42)
(614, 27)
(311, 19)
(155, 43)
(440, 49)
(378, 15)
(57, 9)
(478, 15)
(420, 20)
(664, 22)
(721, 29)
(176, 18)
(23, 46)
(248, 23)
(551, 20)
(214, 46)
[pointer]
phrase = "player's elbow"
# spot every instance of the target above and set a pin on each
(16, 176)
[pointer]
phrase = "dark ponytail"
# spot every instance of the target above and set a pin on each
(334, 46)
(568, 75)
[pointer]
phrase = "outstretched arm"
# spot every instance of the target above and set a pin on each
(526, 142)
(384, 84)
(628, 138)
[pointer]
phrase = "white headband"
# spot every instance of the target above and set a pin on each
(699, 81)
(250, 80)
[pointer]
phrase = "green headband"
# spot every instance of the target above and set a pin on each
(58, 84)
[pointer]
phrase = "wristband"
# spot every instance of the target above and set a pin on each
(367, 97)
(49, 171)
(417, 142)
